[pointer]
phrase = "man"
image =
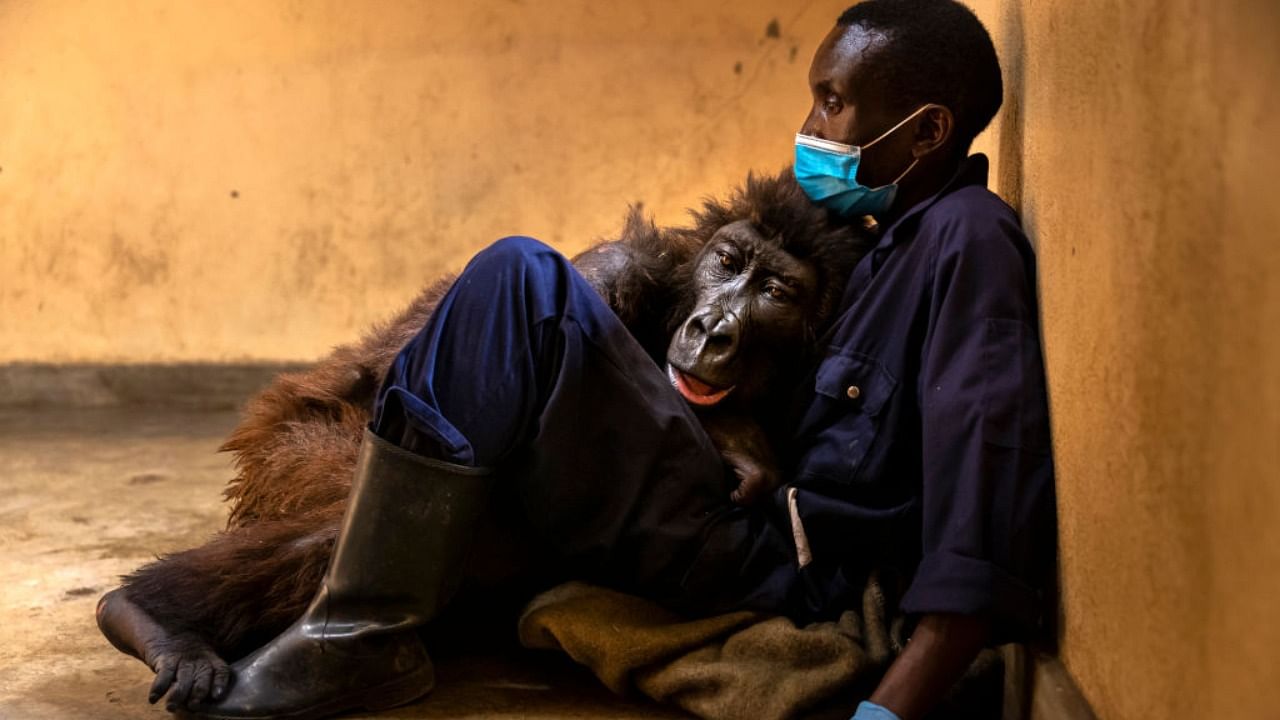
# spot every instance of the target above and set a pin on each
(921, 442)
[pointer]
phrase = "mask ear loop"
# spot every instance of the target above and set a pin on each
(905, 120)
(890, 131)
(904, 172)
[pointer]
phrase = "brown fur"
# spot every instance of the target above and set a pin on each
(298, 439)
(295, 449)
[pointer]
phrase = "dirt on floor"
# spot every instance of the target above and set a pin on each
(88, 495)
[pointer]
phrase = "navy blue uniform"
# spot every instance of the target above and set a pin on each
(926, 442)
(920, 444)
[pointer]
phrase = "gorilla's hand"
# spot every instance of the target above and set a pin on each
(183, 662)
(745, 448)
(188, 669)
(755, 479)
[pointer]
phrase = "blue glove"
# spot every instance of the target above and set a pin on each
(868, 710)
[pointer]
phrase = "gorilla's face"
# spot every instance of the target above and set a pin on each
(753, 307)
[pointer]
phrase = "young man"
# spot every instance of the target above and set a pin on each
(921, 440)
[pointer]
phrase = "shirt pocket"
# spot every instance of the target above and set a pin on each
(857, 388)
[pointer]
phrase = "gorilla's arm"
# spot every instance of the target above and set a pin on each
(186, 613)
(295, 450)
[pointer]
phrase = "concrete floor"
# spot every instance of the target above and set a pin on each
(87, 495)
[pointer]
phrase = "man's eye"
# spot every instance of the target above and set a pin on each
(832, 105)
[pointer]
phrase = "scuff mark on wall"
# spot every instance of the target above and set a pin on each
(135, 266)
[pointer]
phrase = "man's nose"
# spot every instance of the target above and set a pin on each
(811, 127)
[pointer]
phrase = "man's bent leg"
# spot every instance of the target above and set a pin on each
(524, 366)
(521, 366)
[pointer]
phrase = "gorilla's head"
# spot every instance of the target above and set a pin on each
(768, 274)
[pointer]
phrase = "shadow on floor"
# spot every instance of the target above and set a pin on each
(87, 495)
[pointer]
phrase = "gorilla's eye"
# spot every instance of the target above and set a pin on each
(725, 260)
(776, 292)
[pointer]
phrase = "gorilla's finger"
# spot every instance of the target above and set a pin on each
(221, 679)
(203, 681)
(165, 671)
(182, 688)
(745, 493)
(750, 483)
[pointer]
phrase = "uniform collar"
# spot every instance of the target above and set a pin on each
(973, 170)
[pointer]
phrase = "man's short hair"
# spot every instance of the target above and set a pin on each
(935, 51)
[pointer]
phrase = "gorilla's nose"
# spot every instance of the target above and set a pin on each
(714, 334)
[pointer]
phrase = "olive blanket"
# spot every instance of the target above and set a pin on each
(742, 664)
(737, 665)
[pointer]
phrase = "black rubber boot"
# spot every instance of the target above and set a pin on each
(397, 560)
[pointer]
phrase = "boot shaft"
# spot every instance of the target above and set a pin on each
(409, 524)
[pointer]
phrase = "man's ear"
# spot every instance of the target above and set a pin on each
(934, 128)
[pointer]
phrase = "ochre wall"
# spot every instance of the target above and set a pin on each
(1141, 141)
(373, 145)
(247, 180)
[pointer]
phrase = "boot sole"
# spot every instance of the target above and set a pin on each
(401, 691)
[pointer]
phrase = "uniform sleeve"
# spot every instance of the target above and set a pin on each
(988, 522)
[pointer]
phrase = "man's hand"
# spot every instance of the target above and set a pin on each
(868, 710)
(938, 653)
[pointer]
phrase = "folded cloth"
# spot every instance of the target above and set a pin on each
(736, 665)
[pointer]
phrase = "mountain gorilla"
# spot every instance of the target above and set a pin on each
(732, 305)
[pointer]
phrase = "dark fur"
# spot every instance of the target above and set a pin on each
(296, 446)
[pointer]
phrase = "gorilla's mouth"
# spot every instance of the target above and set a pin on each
(693, 389)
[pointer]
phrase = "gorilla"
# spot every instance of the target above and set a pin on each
(733, 305)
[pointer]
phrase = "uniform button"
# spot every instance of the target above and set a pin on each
(853, 392)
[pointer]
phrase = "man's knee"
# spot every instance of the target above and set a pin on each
(514, 253)
(520, 267)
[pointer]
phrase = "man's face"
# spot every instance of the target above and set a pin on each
(849, 103)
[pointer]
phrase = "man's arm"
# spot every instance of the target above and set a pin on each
(987, 486)
(939, 652)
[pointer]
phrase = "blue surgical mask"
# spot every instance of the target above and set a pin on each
(828, 173)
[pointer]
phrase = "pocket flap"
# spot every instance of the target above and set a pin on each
(857, 379)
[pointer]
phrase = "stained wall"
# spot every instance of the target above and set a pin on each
(248, 180)
(1141, 141)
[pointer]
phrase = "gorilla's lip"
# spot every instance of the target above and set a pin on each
(695, 390)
